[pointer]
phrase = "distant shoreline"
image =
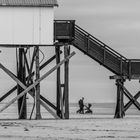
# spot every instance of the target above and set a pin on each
(97, 108)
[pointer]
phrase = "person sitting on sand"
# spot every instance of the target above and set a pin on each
(81, 106)
(88, 110)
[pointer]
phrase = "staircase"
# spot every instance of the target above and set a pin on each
(100, 52)
(97, 50)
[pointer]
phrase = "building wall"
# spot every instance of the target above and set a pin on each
(26, 25)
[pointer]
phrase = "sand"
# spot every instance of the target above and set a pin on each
(80, 127)
(97, 126)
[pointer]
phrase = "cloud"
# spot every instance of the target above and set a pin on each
(129, 26)
(99, 7)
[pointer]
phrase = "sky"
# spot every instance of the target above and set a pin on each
(116, 23)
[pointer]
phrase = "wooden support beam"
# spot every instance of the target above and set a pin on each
(49, 110)
(131, 98)
(38, 113)
(131, 102)
(48, 61)
(31, 66)
(119, 113)
(46, 107)
(58, 82)
(29, 79)
(62, 102)
(26, 61)
(41, 67)
(8, 93)
(48, 102)
(122, 90)
(66, 80)
(29, 70)
(22, 105)
(34, 84)
(12, 76)
(118, 77)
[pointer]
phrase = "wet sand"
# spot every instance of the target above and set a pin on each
(84, 127)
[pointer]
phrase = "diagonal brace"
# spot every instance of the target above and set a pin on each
(131, 98)
(131, 101)
(34, 84)
(15, 87)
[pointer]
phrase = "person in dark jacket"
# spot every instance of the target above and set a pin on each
(81, 106)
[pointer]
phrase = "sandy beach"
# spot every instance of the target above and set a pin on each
(96, 128)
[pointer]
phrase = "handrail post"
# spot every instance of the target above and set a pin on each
(121, 66)
(129, 69)
(87, 42)
(104, 54)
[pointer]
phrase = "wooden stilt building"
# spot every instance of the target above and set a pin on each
(32, 27)
(42, 30)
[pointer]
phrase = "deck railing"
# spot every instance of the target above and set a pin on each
(68, 31)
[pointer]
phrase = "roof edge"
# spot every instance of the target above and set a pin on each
(55, 5)
(28, 3)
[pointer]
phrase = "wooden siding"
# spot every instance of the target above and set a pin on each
(27, 26)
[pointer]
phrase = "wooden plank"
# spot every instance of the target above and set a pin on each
(119, 113)
(26, 61)
(29, 79)
(48, 102)
(34, 84)
(131, 102)
(58, 82)
(8, 93)
(38, 113)
(118, 77)
(130, 97)
(48, 61)
(46, 107)
(31, 66)
(134, 101)
(49, 110)
(66, 79)
(21, 74)
(61, 104)
(12, 76)
(41, 67)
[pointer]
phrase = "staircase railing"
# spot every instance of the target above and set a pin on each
(105, 55)
(67, 31)
(103, 45)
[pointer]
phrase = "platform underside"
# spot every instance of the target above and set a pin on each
(133, 77)
(97, 50)
(24, 45)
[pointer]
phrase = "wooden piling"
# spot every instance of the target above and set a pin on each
(22, 107)
(27, 89)
(58, 81)
(66, 80)
(119, 113)
(37, 95)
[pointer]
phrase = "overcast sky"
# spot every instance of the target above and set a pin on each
(114, 22)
